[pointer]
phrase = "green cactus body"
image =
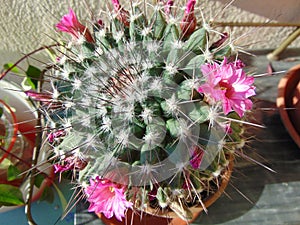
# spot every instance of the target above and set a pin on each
(131, 109)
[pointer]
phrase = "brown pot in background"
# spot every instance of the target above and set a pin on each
(155, 217)
(288, 102)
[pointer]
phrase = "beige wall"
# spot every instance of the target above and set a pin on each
(266, 11)
(280, 10)
(27, 24)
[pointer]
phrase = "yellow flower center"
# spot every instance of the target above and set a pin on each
(112, 189)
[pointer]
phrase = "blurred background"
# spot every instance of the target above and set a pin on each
(26, 25)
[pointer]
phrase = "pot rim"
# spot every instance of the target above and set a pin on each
(197, 209)
(290, 80)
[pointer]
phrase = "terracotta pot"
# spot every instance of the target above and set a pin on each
(170, 218)
(288, 102)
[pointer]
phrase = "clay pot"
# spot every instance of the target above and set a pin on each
(170, 218)
(288, 102)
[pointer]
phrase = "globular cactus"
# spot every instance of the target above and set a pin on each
(146, 108)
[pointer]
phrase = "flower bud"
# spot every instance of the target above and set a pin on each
(168, 6)
(122, 14)
(189, 22)
(70, 24)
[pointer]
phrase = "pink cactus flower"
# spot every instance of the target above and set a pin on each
(45, 98)
(219, 42)
(107, 197)
(53, 135)
(70, 24)
(196, 158)
(227, 128)
(42, 97)
(70, 163)
(100, 24)
(116, 4)
(122, 14)
(168, 6)
(228, 83)
(238, 64)
(189, 22)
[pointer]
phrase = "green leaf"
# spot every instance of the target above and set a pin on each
(135, 31)
(153, 105)
(62, 198)
(5, 164)
(150, 154)
(105, 42)
(137, 25)
(172, 78)
(200, 113)
(137, 128)
(52, 54)
(226, 51)
(161, 196)
(116, 27)
(196, 181)
(197, 41)
(38, 180)
(12, 68)
(13, 173)
(47, 195)
(1, 111)
(185, 90)
(27, 84)
(33, 75)
(141, 19)
(176, 57)
(87, 50)
(164, 107)
(237, 128)
(171, 35)
(173, 127)
(193, 66)
(158, 23)
(10, 195)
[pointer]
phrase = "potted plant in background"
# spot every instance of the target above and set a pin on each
(288, 102)
(14, 146)
(17, 137)
(147, 110)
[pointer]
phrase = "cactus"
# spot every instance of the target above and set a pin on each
(134, 104)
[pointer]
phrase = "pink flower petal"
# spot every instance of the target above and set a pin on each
(229, 84)
(107, 197)
(70, 24)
